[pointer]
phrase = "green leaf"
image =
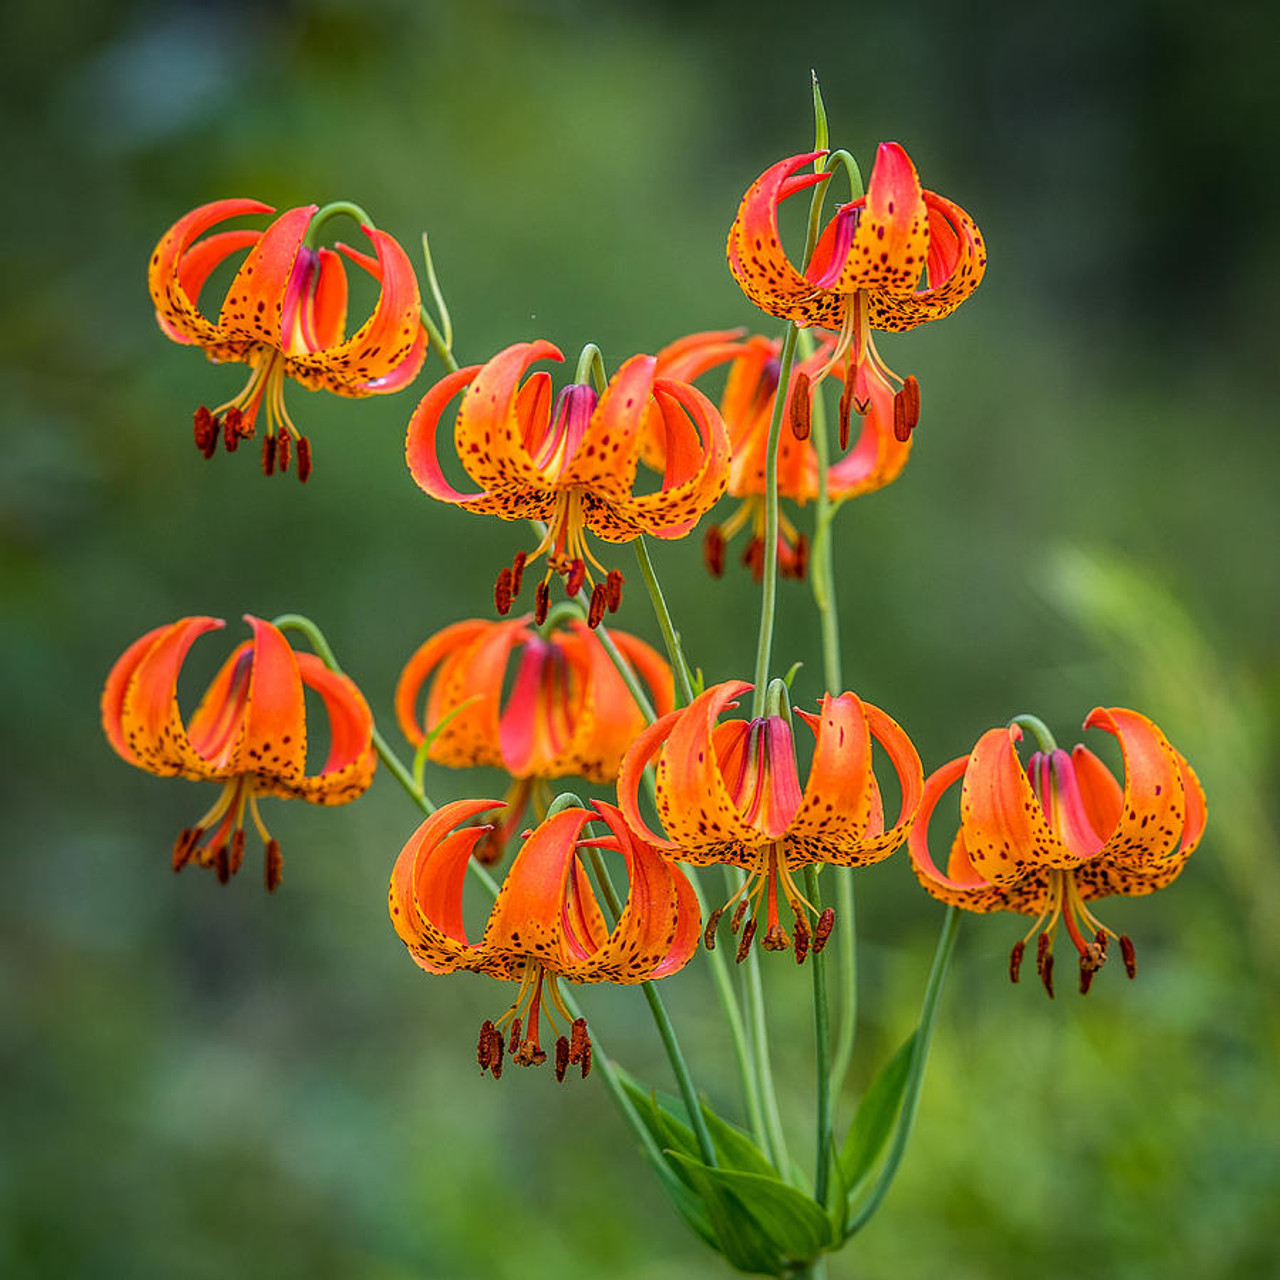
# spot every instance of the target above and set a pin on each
(761, 1222)
(876, 1113)
(734, 1148)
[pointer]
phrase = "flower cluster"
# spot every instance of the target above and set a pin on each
(555, 693)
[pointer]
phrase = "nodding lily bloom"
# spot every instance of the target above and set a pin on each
(284, 315)
(249, 732)
(865, 272)
(539, 707)
(573, 463)
(1049, 838)
(730, 792)
(546, 923)
(746, 405)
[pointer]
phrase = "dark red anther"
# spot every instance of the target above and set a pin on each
(826, 922)
(488, 849)
(804, 936)
(205, 430)
(541, 601)
(1087, 970)
(1042, 952)
(489, 1050)
(846, 406)
(284, 450)
(1100, 943)
(753, 558)
(1129, 955)
(613, 590)
(517, 573)
(230, 431)
(304, 459)
(236, 856)
(748, 935)
(909, 401)
(1015, 960)
(709, 933)
(268, 454)
(586, 1060)
(1046, 974)
(800, 408)
(183, 846)
(579, 1041)
(735, 922)
(562, 1059)
(599, 600)
(502, 592)
(574, 579)
(222, 863)
(274, 866)
(514, 1038)
(713, 551)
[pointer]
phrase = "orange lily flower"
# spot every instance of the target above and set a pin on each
(865, 271)
(572, 464)
(730, 792)
(566, 711)
(546, 923)
(746, 405)
(1047, 839)
(284, 315)
(249, 732)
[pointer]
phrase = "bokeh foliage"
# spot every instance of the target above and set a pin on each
(201, 1082)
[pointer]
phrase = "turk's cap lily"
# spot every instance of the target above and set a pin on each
(537, 706)
(248, 732)
(729, 791)
(285, 315)
(546, 923)
(572, 460)
(877, 457)
(879, 245)
(1046, 838)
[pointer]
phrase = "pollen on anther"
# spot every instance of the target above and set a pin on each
(268, 454)
(304, 459)
(503, 592)
(542, 602)
(274, 871)
(800, 408)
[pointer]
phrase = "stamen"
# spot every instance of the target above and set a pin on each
(514, 1042)
(1015, 960)
(542, 602)
(231, 430)
(826, 922)
(775, 938)
(1129, 955)
(804, 937)
(574, 579)
(562, 1059)
(1046, 974)
(613, 588)
(236, 856)
(908, 400)
(599, 601)
(223, 864)
(580, 1044)
(503, 592)
(184, 846)
(517, 574)
(800, 407)
(489, 1049)
(713, 551)
(274, 866)
(708, 934)
(736, 922)
(268, 454)
(748, 936)
(284, 450)
(205, 430)
(304, 459)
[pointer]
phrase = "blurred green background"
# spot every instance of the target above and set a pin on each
(204, 1082)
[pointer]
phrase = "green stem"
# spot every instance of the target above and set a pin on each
(915, 1073)
(821, 1050)
(1043, 736)
(438, 341)
(335, 209)
(591, 365)
(847, 942)
(670, 1041)
(670, 637)
(769, 591)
